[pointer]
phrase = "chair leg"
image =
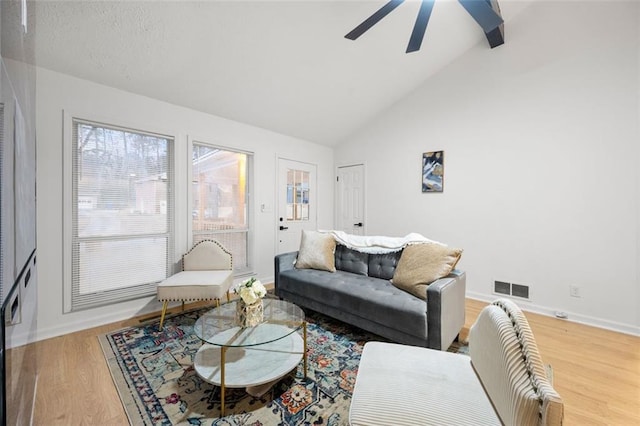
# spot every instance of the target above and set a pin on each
(228, 297)
(183, 306)
(164, 311)
(217, 303)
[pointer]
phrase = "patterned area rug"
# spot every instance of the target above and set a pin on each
(153, 372)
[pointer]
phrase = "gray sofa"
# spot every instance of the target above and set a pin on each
(360, 293)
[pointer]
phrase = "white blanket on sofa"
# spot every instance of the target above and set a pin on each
(378, 244)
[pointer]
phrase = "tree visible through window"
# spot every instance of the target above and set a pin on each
(220, 202)
(122, 213)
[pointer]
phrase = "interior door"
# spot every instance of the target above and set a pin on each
(350, 190)
(297, 197)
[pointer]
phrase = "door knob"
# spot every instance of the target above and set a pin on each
(358, 224)
(282, 228)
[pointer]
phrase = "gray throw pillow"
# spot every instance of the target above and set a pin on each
(353, 261)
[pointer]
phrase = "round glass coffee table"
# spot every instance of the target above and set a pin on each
(251, 357)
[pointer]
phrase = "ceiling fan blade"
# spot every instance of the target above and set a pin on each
(373, 19)
(483, 13)
(417, 35)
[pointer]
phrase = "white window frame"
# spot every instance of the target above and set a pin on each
(68, 204)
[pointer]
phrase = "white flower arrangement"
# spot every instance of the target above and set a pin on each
(250, 290)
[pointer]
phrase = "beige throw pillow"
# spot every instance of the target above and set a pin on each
(316, 251)
(422, 264)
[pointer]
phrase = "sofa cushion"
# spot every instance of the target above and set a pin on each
(351, 260)
(316, 251)
(371, 298)
(383, 265)
(422, 264)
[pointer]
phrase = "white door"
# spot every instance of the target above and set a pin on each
(297, 198)
(350, 190)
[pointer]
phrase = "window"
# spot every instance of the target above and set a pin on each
(220, 207)
(122, 218)
(297, 194)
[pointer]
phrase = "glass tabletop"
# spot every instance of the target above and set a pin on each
(219, 327)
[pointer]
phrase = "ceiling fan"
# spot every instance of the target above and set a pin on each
(485, 12)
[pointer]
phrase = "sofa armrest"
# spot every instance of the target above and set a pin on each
(283, 262)
(445, 309)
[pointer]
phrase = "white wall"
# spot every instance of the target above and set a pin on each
(57, 93)
(541, 146)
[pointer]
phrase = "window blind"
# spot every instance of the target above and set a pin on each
(122, 207)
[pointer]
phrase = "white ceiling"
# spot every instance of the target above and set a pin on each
(280, 65)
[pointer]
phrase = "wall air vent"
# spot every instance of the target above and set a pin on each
(520, 290)
(501, 287)
(509, 289)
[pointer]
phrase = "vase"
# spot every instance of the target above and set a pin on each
(249, 315)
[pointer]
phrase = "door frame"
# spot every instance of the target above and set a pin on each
(364, 193)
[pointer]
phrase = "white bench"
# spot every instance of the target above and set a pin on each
(207, 275)
(503, 381)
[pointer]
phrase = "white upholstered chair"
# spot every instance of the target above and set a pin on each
(207, 274)
(502, 382)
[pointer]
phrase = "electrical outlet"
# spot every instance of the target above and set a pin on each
(574, 291)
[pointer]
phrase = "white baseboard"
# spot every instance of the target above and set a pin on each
(145, 306)
(21, 338)
(54, 330)
(550, 312)
(83, 323)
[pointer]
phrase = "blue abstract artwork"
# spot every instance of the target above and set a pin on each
(433, 171)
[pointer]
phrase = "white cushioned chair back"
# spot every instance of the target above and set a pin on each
(506, 358)
(207, 255)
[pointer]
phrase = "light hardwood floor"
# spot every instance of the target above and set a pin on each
(597, 373)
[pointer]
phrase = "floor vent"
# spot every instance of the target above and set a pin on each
(510, 289)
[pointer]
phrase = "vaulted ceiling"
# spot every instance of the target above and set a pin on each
(280, 65)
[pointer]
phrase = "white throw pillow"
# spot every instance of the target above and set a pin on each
(316, 251)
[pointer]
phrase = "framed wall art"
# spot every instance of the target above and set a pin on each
(433, 171)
